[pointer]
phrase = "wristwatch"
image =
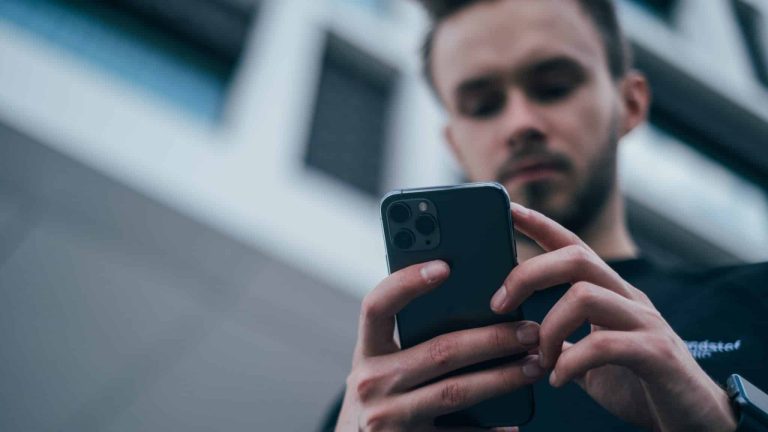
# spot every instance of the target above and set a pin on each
(750, 404)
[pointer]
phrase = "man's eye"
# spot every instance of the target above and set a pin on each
(552, 89)
(551, 92)
(484, 105)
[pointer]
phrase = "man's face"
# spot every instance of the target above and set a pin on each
(532, 103)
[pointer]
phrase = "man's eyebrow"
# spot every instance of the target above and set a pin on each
(546, 65)
(553, 64)
(476, 83)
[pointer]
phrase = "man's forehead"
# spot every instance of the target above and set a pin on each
(504, 35)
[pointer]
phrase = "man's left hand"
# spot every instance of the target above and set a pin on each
(632, 362)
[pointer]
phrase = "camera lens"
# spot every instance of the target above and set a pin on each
(404, 239)
(425, 224)
(399, 212)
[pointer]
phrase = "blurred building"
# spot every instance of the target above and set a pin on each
(189, 191)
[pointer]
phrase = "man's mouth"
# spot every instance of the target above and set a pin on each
(528, 171)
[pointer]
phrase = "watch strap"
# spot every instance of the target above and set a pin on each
(747, 423)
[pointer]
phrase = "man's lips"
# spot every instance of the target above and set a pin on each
(531, 171)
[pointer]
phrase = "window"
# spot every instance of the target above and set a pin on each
(698, 172)
(751, 22)
(662, 8)
(349, 128)
(375, 5)
(694, 193)
(184, 51)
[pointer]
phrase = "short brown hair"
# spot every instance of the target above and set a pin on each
(601, 12)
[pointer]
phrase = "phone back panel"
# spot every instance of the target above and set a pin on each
(476, 239)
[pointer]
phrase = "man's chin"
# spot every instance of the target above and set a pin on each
(545, 196)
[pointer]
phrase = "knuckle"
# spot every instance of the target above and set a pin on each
(654, 342)
(547, 333)
(365, 383)
(660, 345)
(376, 419)
(453, 395)
(574, 239)
(441, 350)
(369, 308)
(364, 389)
(653, 316)
(584, 294)
(580, 255)
(639, 295)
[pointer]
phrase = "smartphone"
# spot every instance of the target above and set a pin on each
(469, 227)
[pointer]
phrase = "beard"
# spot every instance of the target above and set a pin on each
(590, 196)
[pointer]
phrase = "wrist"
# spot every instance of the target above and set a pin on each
(693, 401)
(730, 415)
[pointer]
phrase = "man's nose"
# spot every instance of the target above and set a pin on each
(522, 119)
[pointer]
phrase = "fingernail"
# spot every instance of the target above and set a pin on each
(553, 379)
(531, 369)
(433, 270)
(517, 208)
(528, 334)
(498, 299)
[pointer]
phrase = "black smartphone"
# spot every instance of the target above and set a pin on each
(469, 227)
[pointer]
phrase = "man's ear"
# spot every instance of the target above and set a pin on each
(636, 99)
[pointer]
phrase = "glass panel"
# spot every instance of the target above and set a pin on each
(675, 180)
(376, 5)
(751, 23)
(662, 8)
(126, 47)
(349, 128)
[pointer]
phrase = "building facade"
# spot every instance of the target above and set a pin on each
(189, 191)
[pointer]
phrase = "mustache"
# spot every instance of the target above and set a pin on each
(526, 158)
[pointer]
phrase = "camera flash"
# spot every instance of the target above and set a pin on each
(423, 206)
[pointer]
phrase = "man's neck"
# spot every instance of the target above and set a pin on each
(607, 234)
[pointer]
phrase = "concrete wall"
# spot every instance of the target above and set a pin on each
(119, 314)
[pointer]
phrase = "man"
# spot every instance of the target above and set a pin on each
(538, 94)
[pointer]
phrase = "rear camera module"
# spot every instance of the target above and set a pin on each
(404, 239)
(425, 225)
(399, 212)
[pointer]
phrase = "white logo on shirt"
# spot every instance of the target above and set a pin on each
(705, 349)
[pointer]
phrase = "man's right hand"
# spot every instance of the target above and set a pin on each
(385, 389)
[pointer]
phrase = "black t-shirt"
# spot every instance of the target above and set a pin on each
(721, 313)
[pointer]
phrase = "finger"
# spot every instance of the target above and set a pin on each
(597, 349)
(379, 307)
(566, 265)
(579, 379)
(549, 234)
(452, 351)
(462, 391)
(584, 302)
